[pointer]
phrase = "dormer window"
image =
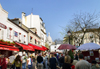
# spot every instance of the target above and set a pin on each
(35, 32)
(31, 39)
(19, 23)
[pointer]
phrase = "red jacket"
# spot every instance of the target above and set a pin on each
(73, 67)
(3, 63)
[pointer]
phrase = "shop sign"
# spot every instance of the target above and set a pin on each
(3, 26)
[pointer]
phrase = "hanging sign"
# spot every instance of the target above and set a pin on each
(3, 26)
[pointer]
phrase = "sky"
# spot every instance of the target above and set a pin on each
(56, 14)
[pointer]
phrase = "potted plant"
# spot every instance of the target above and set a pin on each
(8, 42)
(2, 41)
(12, 43)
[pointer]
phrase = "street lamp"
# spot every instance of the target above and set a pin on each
(69, 33)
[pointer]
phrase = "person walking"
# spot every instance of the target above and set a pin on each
(53, 61)
(95, 65)
(29, 62)
(39, 62)
(3, 64)
(11, 59)
(82, 64)
(72, 66)
(61, 60)
(67, 61)
(24, 58)
(17, 62)
(45, 61)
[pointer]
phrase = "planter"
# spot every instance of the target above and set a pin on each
(4, 43)
(11, 44)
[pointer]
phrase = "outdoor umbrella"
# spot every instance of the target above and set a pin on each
(66, 46)
(89, 46)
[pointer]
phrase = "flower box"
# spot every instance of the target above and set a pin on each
(4, 43)
(12, 44)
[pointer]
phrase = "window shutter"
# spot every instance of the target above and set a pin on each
(2, 34)
(12, 34)
(8, 32)
(22, 38)
(18, 37)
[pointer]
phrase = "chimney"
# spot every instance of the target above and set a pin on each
(23, 14)
(23, 18)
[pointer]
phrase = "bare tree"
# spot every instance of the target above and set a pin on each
(81, 23)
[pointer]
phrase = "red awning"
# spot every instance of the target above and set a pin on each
(25, 47)
(45, 48)
(36, 47)
(7, 47)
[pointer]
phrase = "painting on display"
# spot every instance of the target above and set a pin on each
(88, 57)
(91, 53)
(97, 59)
(85, 57)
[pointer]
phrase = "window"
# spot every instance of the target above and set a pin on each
(24, 39)
(31, 38)
(19, 37)
(35, 41)
(38, 42)
(19, 23)
(10, 33)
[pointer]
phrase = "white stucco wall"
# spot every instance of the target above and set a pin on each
(52, 48)
(32, 21)
(4, 20)
(19, 30)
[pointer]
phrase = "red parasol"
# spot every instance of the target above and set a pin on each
(66, 46)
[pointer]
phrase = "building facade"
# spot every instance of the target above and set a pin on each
(90, 36)
(54, 48)
(34, 21)
(11, 31)
(33, 38)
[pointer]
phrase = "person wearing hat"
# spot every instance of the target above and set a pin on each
(95, 65)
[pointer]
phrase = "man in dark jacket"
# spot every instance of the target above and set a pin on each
(61, 60)
(39, 59)
(39, 62)
(53, 62)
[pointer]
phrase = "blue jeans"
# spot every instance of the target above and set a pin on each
(0, 67)
(29, 66)
(23, 65)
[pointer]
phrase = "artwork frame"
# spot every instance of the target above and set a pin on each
(91, 53)
(97, 59)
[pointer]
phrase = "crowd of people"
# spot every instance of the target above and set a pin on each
(42, 61)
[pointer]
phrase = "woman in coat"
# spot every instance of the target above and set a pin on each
(17, 62)
(67, 61)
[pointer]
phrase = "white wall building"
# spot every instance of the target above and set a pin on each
(12, 32)
(54, 48)
(34, 21)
